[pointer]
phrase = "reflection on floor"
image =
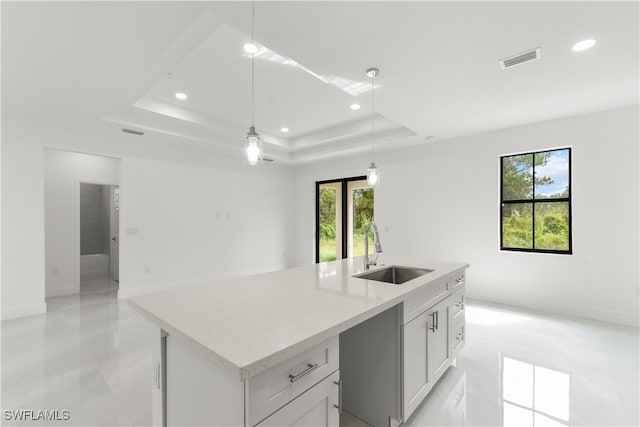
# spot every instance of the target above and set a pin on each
(90, 354)
(98, 285)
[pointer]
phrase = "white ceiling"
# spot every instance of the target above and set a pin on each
(439, 72)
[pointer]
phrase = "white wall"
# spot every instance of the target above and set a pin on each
(63, 170)
(185, 224)
(455, 215)
(441, 200)
(170, 192)
(22, 229)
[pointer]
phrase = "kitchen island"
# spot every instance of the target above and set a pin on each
(275, 347)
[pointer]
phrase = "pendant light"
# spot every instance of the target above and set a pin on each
(253, 141)
(373, 174)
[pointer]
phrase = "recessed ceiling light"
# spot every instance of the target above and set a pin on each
(284, 130)
(583, 45)
(355, 106)
(181, 96)
(250, 48)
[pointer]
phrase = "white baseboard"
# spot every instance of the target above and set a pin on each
(62, 290)
(589, 313)
(25, 310)
(90, 275)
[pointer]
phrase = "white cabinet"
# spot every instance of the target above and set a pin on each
(426, 354)
(415, 363)
(456, 323)
(438, 341)
(390, 362)
(299, 391)
(280, 384)
(158, 374)
(425, 298)
(317, 406)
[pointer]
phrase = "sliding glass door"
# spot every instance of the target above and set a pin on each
(343, 209)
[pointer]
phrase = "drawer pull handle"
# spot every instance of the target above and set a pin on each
(460, 336)
(433, 326)
(310, 368)
(156, 378)
(339, 405)
(460, 280)
(460, 304)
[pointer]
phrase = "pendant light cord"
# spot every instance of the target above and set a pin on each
(373, 104)
(253, 83)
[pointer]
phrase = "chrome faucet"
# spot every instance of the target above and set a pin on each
(378, 246)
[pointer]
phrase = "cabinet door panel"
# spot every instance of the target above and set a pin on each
(438, 341)
(415, 366)
(315, 407)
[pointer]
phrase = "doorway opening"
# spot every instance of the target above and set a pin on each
(343, 209)
(99, 206)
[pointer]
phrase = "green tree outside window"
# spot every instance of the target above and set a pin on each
(536, 201)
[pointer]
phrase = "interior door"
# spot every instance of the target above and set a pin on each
(115, 234)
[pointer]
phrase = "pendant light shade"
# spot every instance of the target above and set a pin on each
(253, 146)
(253, 142)
(373, 174)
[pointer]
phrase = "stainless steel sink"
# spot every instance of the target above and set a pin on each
(394, 274)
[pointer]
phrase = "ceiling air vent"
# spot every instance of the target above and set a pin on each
(520, 58)
(133, 131)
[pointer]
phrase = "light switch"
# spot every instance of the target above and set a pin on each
(132, 230)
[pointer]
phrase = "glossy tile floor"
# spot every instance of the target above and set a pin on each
(90, 355)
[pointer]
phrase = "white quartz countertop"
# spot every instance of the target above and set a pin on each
(249, 324)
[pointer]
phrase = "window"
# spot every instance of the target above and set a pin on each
(535, 200)
(343, 209)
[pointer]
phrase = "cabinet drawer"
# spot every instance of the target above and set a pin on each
(458, 337)
(457, 306)
(424, 299)
(318, 406)
(272, 389)
(457, 281)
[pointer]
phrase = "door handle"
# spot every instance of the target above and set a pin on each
(113, 238)
(157, 375)
(339, 405)
(433, 321)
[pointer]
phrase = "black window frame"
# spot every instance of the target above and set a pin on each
(533, 201)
